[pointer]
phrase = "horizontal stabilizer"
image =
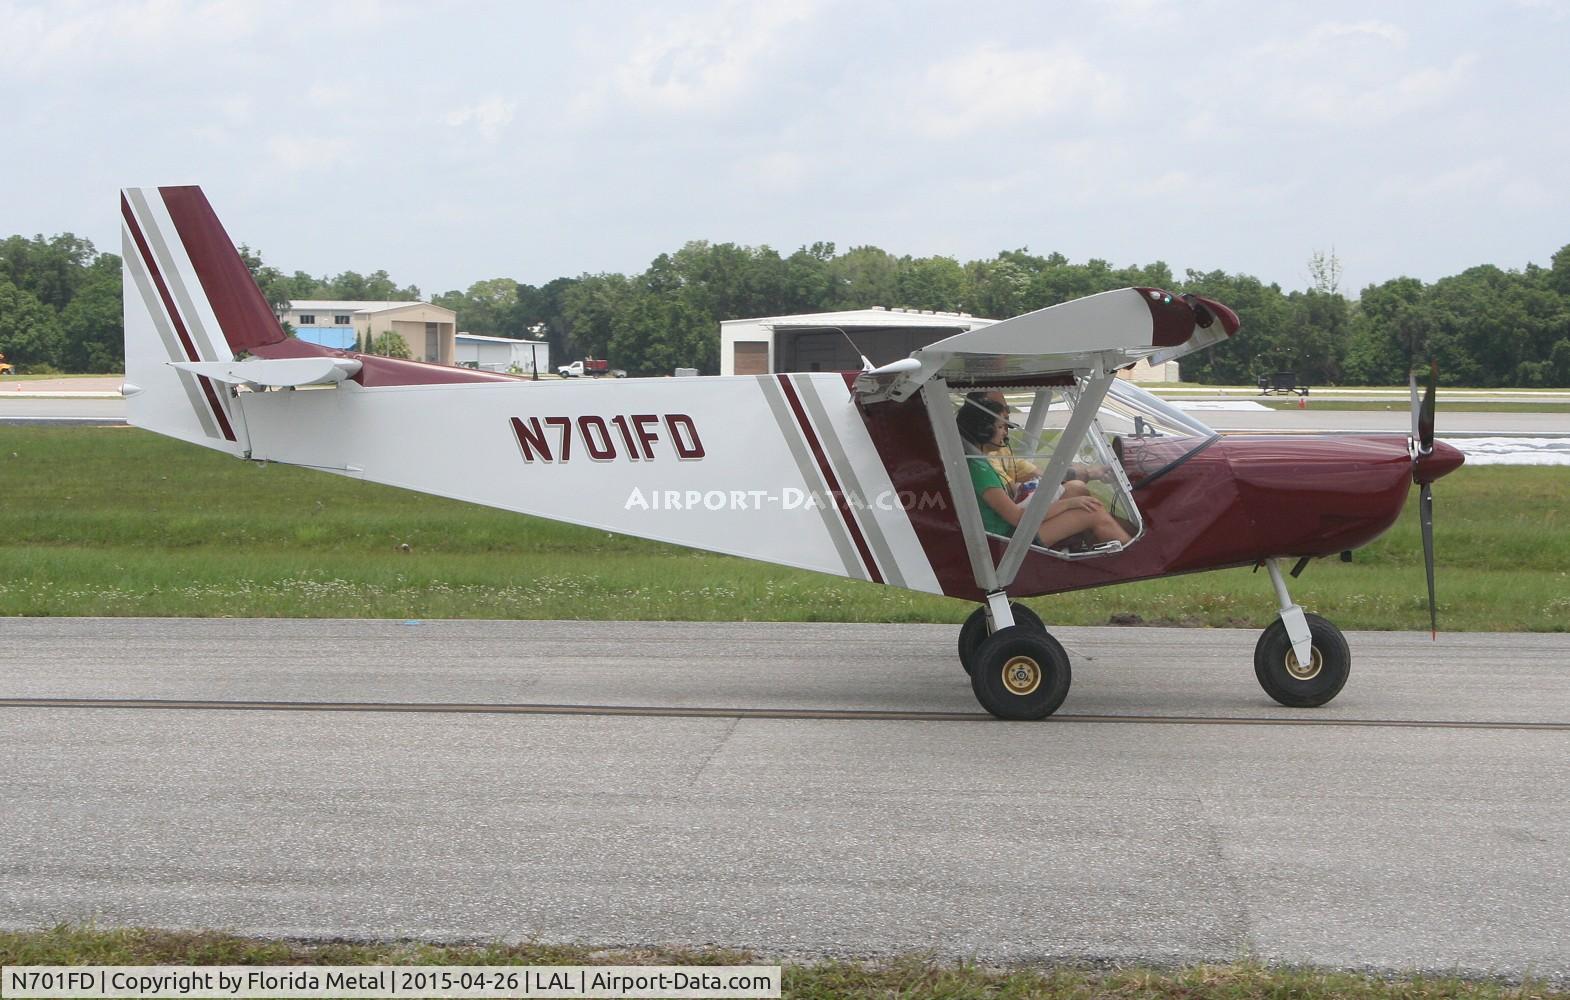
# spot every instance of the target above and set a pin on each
(276, 372)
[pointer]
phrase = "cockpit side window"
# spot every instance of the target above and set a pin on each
(1015, 461)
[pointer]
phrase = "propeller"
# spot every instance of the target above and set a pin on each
(1422, 445)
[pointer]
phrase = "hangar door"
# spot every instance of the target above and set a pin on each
(750, 358)
(819, 350)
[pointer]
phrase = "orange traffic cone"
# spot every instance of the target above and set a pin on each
(1302, 402)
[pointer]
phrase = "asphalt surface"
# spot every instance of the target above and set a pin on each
(1171, 813)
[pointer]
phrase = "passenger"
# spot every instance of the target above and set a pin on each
(984, 430)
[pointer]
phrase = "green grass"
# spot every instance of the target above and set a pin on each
(36, 378)
(115, 521)
(907, 977)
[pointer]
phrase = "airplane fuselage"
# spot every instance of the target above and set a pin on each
(1235, 500)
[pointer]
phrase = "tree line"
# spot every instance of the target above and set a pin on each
(1487, 326)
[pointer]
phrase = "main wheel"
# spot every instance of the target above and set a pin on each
(974, 632)
(1020, 673)
(1293, 684)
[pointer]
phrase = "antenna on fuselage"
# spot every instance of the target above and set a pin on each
(866, 364)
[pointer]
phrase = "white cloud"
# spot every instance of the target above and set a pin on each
(40, 39)
(1330, 40)
(1487, 181)
(1375, 103)
(331, 95)
(992, 87)
(1169, 184)
(299, 155)
(777, 172)
(1341, 31)
(1349, 74)
(1557, 10)
(488, 116)
(1143, 13)
(700, 63)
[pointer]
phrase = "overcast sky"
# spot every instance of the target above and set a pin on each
(454, 142)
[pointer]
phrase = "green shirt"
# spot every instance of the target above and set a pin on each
(984, 477)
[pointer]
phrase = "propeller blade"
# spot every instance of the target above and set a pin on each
(1411, 378)
(1425, 421)
(1426, 513)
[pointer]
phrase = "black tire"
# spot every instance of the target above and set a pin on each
(1021, 673)
(974, 632)
(1277, 668)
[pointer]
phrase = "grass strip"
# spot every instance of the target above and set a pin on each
(906, 977)
(111, 521)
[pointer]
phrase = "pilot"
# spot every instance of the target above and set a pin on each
(1020, 475)
(984, 430)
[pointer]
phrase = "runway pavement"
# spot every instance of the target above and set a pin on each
(1172, 813)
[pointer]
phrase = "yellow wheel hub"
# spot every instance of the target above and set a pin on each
(1298, 671)
(1021, 675)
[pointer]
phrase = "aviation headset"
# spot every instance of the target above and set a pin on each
(977, 417)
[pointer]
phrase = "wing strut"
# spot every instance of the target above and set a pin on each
(1035, 512)
(935, 394)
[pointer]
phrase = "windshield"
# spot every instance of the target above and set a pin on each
(1148, 434)
(1126, 400)
(1145, 434)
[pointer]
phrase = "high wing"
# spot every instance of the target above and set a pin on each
(1076, 349)
(1108, 331)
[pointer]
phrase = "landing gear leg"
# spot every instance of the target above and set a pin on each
(1301, 660)
(977, 628)
(1291, 615)
(999, 611)
(1018, 671)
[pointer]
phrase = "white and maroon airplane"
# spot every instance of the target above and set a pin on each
(860, 474)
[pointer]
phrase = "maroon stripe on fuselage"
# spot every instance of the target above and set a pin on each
(903, 437)
(191, 353)
(244, 316)
(830, 479)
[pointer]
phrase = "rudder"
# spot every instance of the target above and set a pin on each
(188, 296)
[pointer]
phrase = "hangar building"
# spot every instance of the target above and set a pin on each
(835, 341)
(427, 330)
(815, 342)
(501, 354)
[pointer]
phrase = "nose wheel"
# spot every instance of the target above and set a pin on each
(1301, 660)
(1294, 683)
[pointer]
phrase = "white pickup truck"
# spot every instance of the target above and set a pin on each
(590, 367)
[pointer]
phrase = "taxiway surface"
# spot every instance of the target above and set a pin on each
(1172, 813)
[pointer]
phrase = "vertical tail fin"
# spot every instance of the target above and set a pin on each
(188, 296)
